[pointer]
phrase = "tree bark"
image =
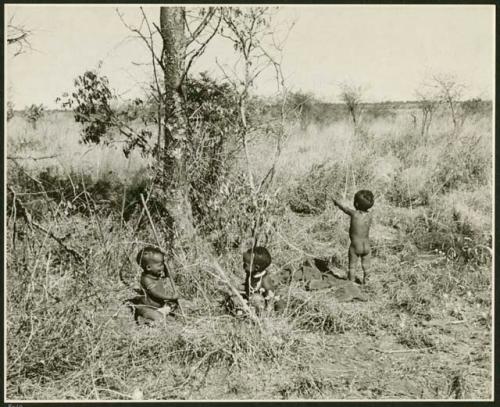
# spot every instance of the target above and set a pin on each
(173, 57)
(176, 184)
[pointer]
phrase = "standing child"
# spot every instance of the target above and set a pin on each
(359, 230)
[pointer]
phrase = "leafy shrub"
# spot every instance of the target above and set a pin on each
(34, 113)
(211, 143)
(90, 102)
(232, 215)
(210, 151)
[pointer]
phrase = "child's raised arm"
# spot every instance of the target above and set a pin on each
(343, 208)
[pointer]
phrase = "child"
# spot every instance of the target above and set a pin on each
(359, 231)
(257, 280)
(157, 301)
(258, 289)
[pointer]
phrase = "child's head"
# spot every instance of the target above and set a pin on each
(261, 259)
(150, 259)
(363, 200)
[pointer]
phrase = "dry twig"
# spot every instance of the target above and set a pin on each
(29, 220)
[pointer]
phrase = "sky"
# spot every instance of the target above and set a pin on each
(388, 50)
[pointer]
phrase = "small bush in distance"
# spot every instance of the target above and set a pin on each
(34, 113)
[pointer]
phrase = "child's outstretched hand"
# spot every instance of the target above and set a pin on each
(343, 208)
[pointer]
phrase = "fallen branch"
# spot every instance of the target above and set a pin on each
(29, 220)
(9, 157)
(245, 305)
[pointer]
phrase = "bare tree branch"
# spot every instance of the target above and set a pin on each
(428, 104)
(18, 36)
(280, 80)
(139, 33)
(248, 30)
(159, 93)
(352, 95)
(193, 35)
(199, 51)
(450, 91)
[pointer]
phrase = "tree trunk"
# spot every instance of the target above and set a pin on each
(176, 184)
(174, 50)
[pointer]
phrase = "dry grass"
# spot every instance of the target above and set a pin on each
(424, 333)
(57, 135)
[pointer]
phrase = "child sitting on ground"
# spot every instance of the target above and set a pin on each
(157, 301)
(259, 289)
(359, 231)
(257, 280)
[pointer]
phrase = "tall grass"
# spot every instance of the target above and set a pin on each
(57, 135)
(71, 336)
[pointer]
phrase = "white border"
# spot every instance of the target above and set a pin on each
(77, 5)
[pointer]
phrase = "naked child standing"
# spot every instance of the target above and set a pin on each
(359, 231)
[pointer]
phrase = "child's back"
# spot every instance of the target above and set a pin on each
(359, 231)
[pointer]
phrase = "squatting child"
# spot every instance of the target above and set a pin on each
(257, 279)
(258, 288)
(359, 230)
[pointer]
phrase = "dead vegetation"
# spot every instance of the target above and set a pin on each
(428, 315)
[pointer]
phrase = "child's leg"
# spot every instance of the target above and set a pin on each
(352, 263)
(365, 265)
